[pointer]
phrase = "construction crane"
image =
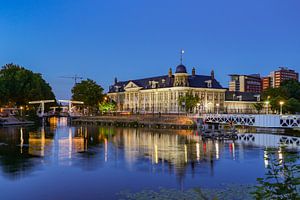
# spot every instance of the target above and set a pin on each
(75, 78)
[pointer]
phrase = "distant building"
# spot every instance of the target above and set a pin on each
(161, 93)
(241, 102)
(245, 83)
(266, 82)
(275, 78)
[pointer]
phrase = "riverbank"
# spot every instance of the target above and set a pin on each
(14, 121)
(143, 121)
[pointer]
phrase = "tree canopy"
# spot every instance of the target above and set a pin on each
(288, 92)
(107, 106)
(89, 92)
(18, 86)
(188, 101)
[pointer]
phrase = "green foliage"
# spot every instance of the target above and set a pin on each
(107, 106)
(291, 89)
(18, 86)
(258, 106)
(282, 178)
(288, 92)
(89, 92)
(189, 101)
(293, 105)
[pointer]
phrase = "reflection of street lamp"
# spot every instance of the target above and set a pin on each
(267, 104)
(281, 104)
(21, 110)
(218, 105)
(198, 107)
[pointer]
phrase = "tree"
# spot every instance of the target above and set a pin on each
(291, 88)
(282, 178)
(107, 106)
(258, 106)
(292, 105)
(18, 86)
(89, 92)
(189, 101)
(288, 92)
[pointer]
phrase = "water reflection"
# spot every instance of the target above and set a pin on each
(22, 150)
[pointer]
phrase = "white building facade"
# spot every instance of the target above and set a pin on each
(161, 94)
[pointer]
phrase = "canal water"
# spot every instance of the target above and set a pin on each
(90, 162)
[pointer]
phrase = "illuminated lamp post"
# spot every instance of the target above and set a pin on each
(267, 104)
(218, 105)
(281, 104)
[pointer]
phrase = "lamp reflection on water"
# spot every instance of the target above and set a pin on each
(156, 154)
(217, 150)
(185, 154)
(198, 151)
(21, 140)
(105, 149)
(280, 156)
(232, 150)
(266, 159)
(70, 143)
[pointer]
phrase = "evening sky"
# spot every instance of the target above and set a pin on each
(131, 39)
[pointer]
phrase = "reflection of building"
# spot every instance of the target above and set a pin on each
(39, 144)
(161, 93)
(275, 78)
(245, 83)
(174, 149)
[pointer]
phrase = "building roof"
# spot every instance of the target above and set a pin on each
(196, 81)
(180, 69)
(241, 96)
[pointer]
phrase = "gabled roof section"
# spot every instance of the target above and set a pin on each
(199, 81)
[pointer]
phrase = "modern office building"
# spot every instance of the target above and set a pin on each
(245, 83)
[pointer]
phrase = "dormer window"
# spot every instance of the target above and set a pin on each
(154, 84)
(240, 98)
(208, 83)
(117, 88)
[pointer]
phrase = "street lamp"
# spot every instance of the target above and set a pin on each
(281, 104)
(267, 103)
(218, 105)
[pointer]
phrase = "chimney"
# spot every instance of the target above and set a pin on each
(193, 71)
(212, 74)
(170, 73)
(116, 80)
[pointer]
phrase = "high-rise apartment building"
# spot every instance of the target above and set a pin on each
(275, 78)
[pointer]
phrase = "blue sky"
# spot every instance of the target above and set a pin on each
(132, 39)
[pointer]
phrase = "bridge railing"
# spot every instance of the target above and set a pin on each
(277, 121)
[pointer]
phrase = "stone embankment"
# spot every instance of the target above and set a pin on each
(143, 121)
